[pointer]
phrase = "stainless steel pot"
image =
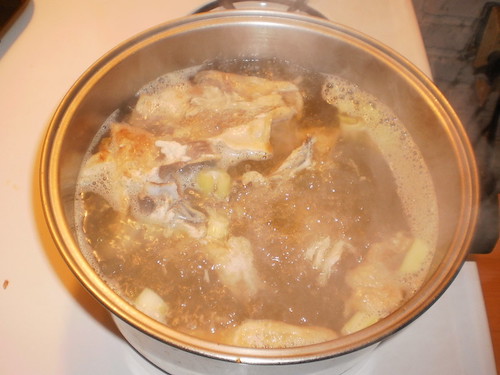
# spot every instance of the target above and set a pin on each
(315, 44)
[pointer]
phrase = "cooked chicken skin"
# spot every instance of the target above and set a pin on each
(282, 98)
(377, 290)
(120, 168)
(215, 101)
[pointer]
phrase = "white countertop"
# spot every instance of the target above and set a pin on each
(49, 325)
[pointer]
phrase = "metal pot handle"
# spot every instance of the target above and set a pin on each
(294, 6)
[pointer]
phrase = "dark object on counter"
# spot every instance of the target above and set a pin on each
(9, 11)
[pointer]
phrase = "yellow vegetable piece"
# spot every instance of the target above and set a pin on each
(223, 187)
(205, 181)
(214, 181)
(152, 304)
(217, 225)
(346, 119)
(358, 321)
(416, 258)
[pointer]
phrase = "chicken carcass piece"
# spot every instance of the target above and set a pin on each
(250, 141)
(134, 171)
(226, 99)
(275, 334)
(233, 261)
(117, 171)
(255, 95)
(170, 104)
(299, 159)
(324, 255)
(234, 112)
(376, 287)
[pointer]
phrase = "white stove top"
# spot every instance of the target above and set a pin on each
(49, 325)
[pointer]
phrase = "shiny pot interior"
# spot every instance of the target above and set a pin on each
(314, 44)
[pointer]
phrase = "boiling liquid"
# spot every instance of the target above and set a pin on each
(358, 192)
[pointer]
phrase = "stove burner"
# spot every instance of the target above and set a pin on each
(297, 6)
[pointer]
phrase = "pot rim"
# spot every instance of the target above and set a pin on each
(418, 304)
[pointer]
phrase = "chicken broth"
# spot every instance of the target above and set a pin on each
(257, 205)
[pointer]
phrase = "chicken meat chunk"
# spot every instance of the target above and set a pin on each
(234, 263)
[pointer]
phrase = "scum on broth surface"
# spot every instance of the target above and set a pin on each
(384, 149)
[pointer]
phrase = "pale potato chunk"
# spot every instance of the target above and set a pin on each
(416, 259)
(151, 304)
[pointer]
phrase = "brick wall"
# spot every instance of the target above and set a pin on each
(449, 28)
